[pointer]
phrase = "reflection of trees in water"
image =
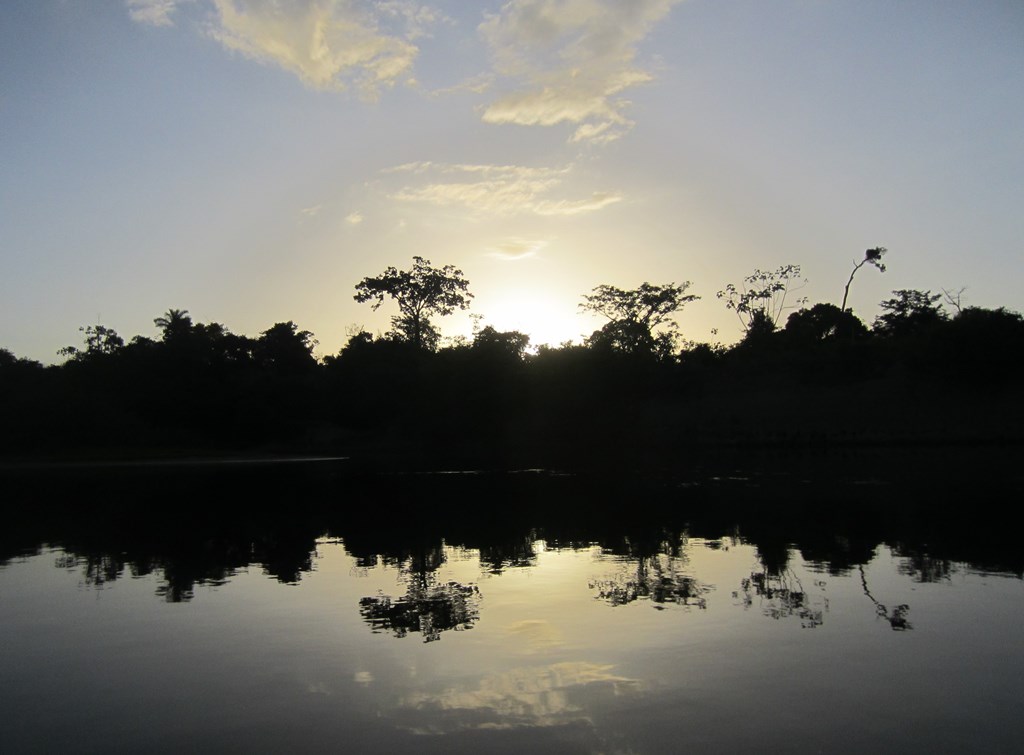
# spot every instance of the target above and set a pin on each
(658, 577)
(518, 553)
(97, 569)
(179, 579)
(922, 567)
(897, 617)
(781, 595)
(186, 561)
(428, 610)
(429, 606)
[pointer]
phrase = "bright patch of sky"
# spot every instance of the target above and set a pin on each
(251, 160)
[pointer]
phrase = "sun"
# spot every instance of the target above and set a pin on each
(545, 317)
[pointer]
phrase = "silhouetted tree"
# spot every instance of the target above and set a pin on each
(175, 323)
(99, 341)
(760, 300)
(760, 329)
(634, 314)
(10, 362)
(420, 292)
(871, 257)
(909, 312)
(954, 299)
(496, 345)
(285, 348)
(984, 345)
(823, 322)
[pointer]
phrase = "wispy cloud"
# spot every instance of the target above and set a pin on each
(568, 62)
(328, 44)
(597, 201)
(152, 12)
(495, 189)
(474, 84)
(514, 249)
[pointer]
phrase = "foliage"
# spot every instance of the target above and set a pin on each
(419, 332)
(509, 345)
(823, 322)
(635, 314)
(175, 324)
(760, 300)
(909, 312)
(99, 341)
(420, 293)
(984, 345)
(286, 348)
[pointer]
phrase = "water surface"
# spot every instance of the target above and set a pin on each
(278, 611)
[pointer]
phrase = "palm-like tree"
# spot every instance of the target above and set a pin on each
(174, 323)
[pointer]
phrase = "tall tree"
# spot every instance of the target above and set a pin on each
(421, 292)
(634, 314)
(871, 257)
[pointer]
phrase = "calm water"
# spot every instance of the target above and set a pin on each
(427, 613)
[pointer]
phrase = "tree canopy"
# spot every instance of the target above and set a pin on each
(634, 314)
(421, 292)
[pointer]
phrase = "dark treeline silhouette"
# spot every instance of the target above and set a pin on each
(924, 371)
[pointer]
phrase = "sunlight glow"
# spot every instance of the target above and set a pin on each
(547, 319)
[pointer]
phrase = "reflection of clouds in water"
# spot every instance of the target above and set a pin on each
(536, 634)
(538, 696)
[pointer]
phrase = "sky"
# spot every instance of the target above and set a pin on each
(252, 160)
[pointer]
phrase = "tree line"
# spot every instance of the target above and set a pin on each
(198, 384)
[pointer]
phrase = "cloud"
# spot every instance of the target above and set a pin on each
(474, 84)
(418, 19)
(598, 200)
(152, 12)
(568, 60)
(329, 44)
(494, 189)
(513, 249)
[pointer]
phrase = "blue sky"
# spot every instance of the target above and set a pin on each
(250, 160)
